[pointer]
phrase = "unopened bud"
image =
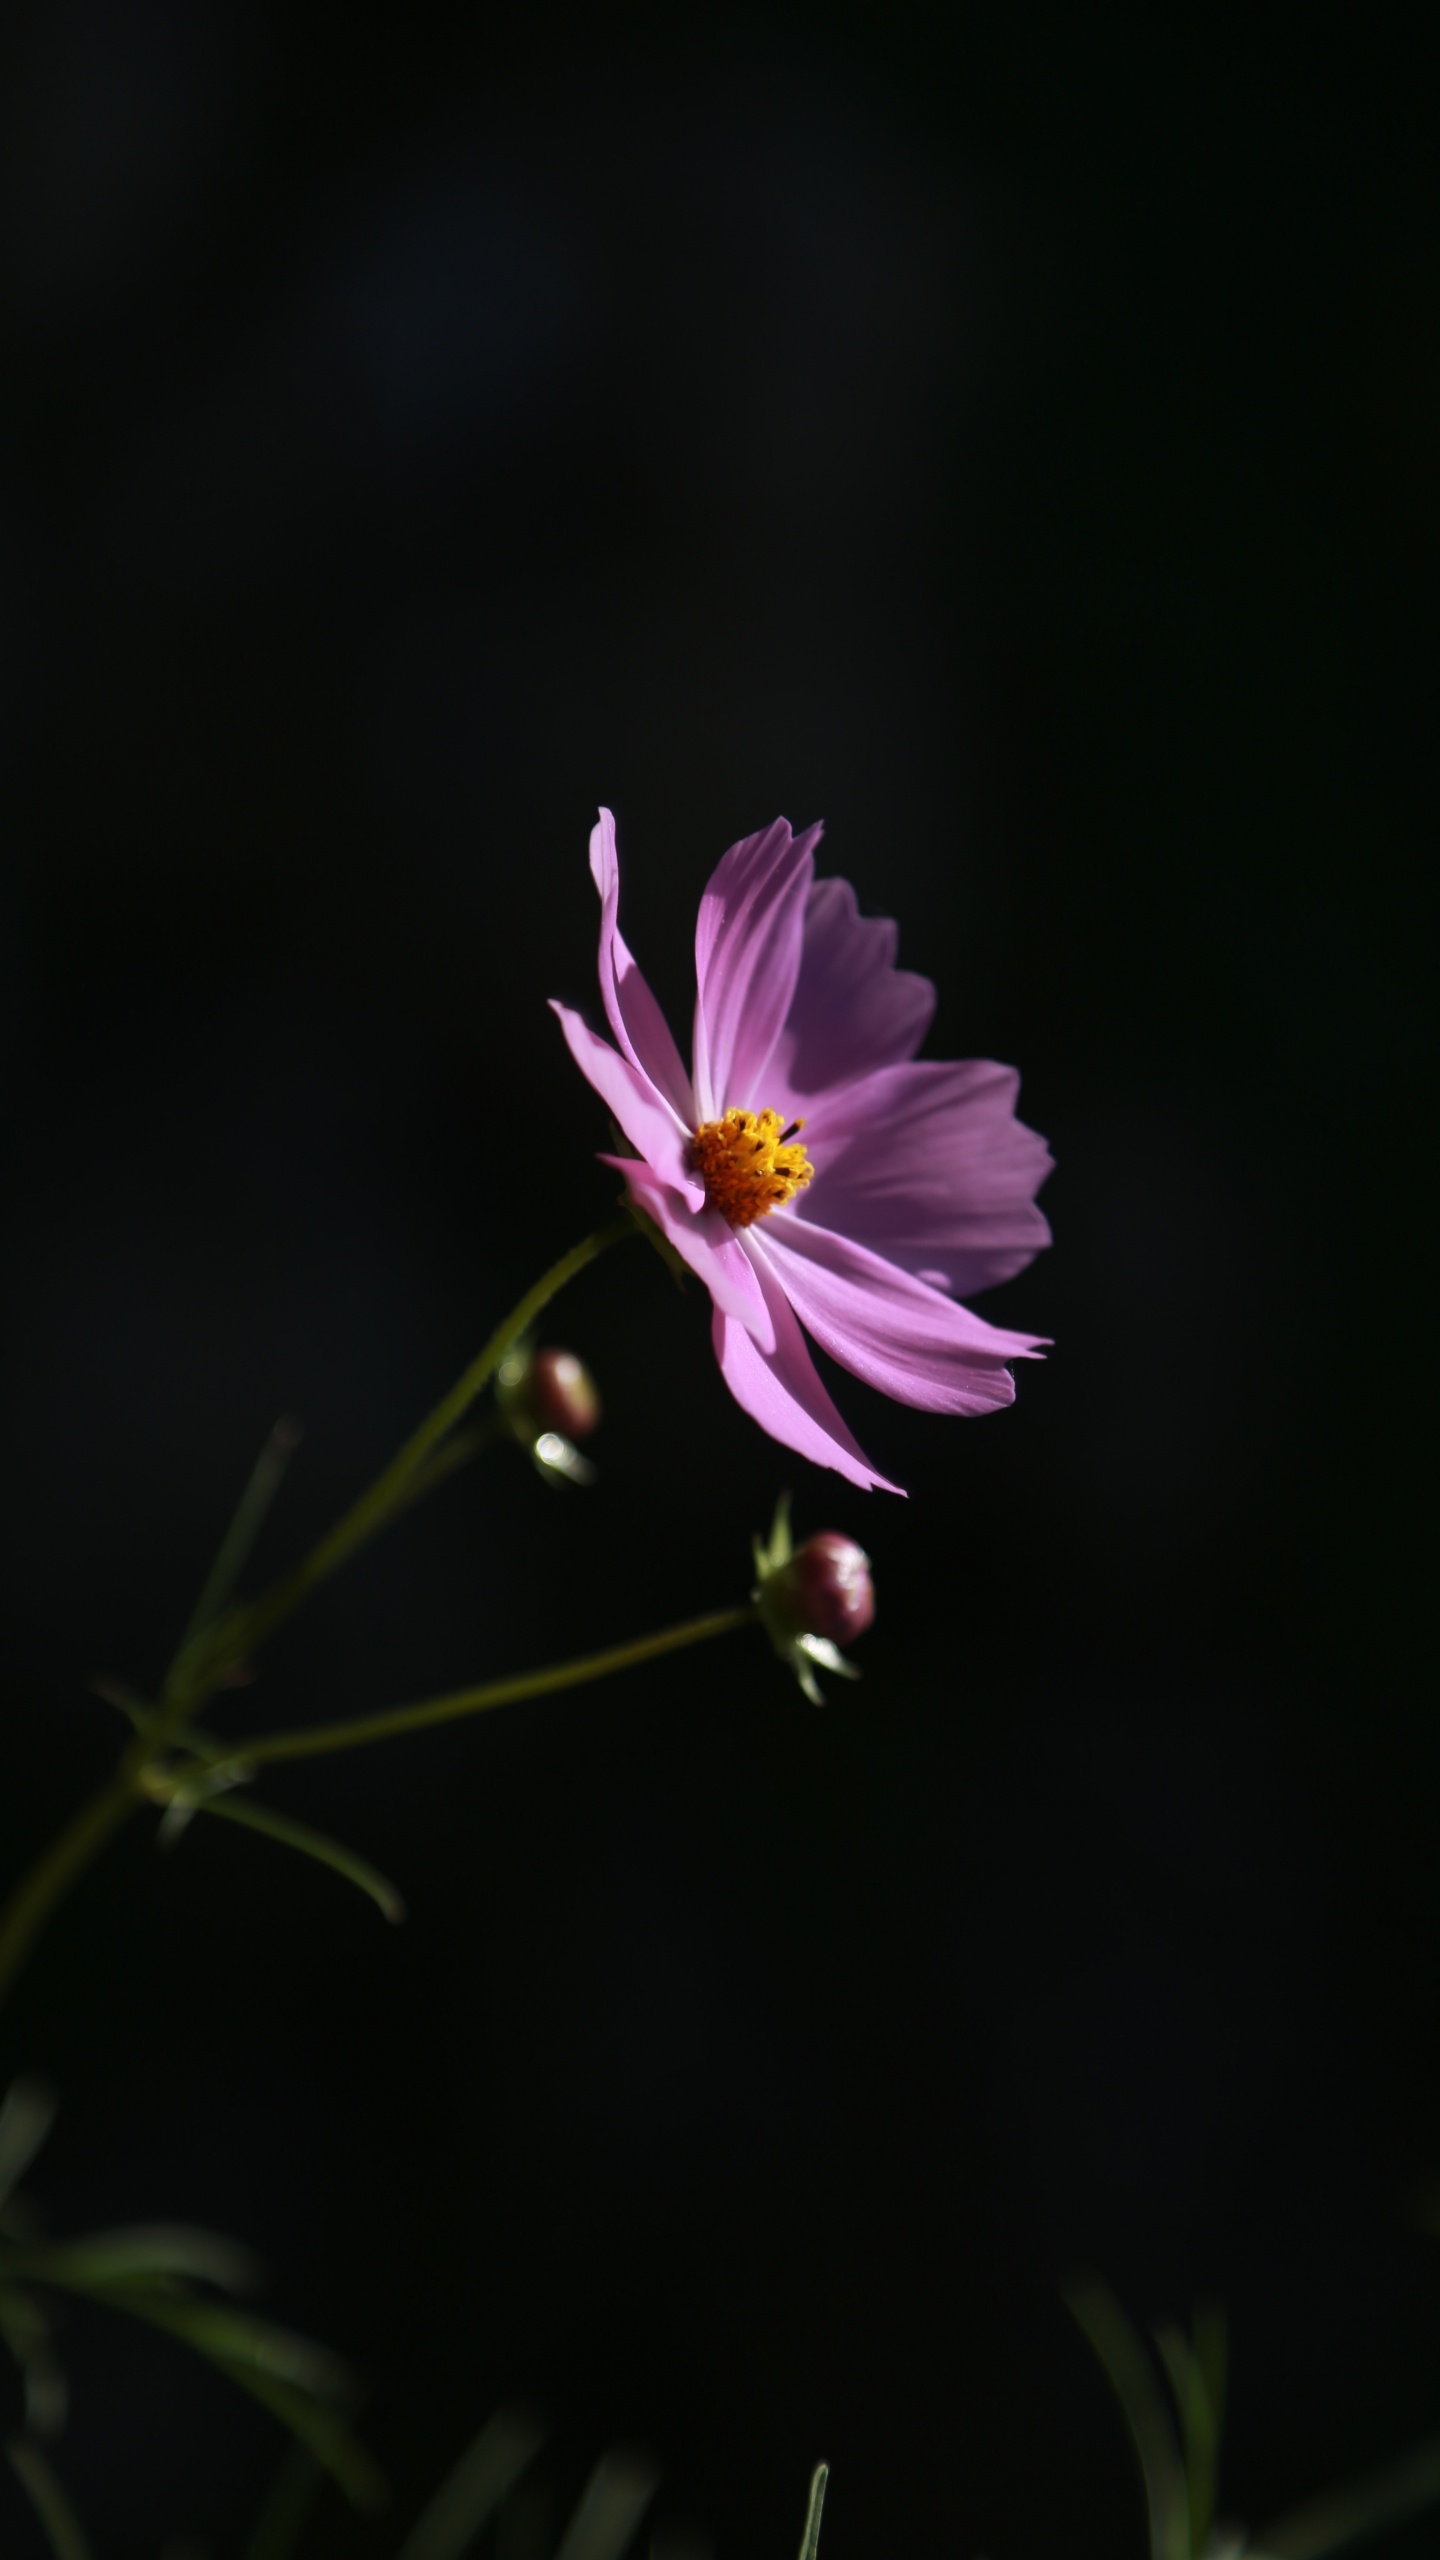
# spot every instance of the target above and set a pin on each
(826, 1588)
(812, 1599)
(562, 1395)
(547, 1401)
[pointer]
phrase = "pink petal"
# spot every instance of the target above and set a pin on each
(782, 1391)
(852, 1010)
(708, 1243)
(635, 1017)
(648, 1120)
(928, 1165)
(890, 1330)
(747, 954)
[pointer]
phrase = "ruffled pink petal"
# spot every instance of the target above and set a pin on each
(928, 1165)
(708, 1243)
(747, 954)
(852, 1010)
(635, 1017)
(892, 1331)
(781, 1390)
(648, 1120)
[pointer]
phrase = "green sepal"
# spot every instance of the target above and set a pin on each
(773, 1554)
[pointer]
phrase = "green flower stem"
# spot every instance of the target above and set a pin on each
(316, 1738)
(454, 1454)
(200, 1664)
(191, 1679)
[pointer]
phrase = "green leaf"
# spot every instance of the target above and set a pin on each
(25, 2119)
(143, 2251)
(311, 1844)
(616, 2496)
(289, 2375)
(117, 1694)
(810, 2541)
(146, 2272)
(23, 2323)
(26, 2332)
(1132, 2379)
(1197, 2378)
(241, 2338)
(286, 2511)
(320, 2431)
(1210, 2338)
(480, 2482)
(235, 1547)
(62, 2525)
(830, 1658)
(1385, 2497)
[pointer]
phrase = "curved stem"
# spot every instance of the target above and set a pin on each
(49, 1880)
(389, 1491)
(450, 1457)
(200, 1662)
(314, 1739)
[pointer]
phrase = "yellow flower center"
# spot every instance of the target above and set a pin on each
(748, 1164)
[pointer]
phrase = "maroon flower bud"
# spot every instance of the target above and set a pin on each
(562, 1395)
(828, 1588)
(812, 1599)
(547, 1400)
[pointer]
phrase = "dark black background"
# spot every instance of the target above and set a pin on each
(1011, 438)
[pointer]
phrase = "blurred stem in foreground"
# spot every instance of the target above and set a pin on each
(214, 1645)
(58, 2517)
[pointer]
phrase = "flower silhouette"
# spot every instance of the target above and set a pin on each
(812, 1171)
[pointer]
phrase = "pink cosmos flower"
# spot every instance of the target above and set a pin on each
(811, 1170)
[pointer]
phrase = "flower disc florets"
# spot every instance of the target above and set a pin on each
(748, 1164)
